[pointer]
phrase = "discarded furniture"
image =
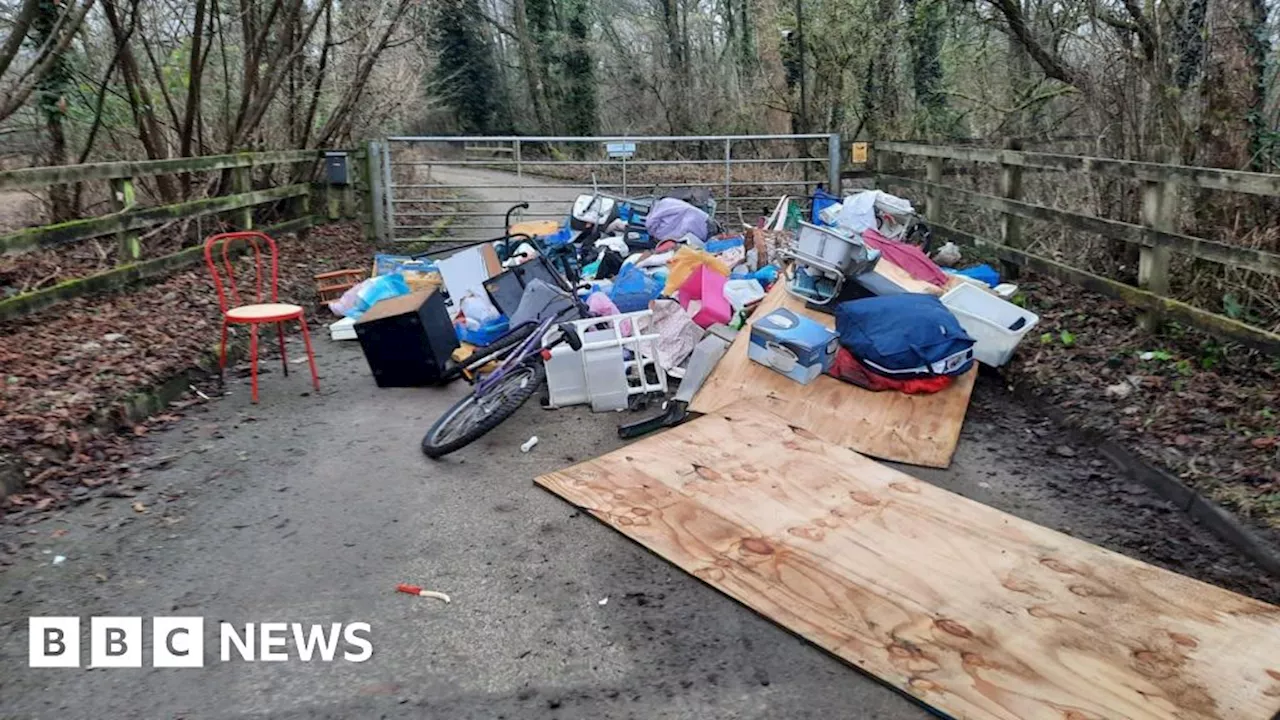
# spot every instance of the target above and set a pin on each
(407, 340)
(331, 285)
(265, 308)
(978, 614)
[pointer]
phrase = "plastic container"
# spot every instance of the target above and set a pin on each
(827, 245)
(706, 288)
(995, 325)
(613, 347)
(485, 334)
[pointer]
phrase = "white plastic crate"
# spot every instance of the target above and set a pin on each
(618, 356)
(827, 245)
(989, 320)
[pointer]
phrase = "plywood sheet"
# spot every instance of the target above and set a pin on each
(977, 613)
(915, 429)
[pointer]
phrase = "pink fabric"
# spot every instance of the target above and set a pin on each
(908, 257)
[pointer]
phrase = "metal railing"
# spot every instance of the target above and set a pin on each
(442, 187)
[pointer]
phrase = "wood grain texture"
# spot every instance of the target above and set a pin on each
(914, 429)
(977, 613)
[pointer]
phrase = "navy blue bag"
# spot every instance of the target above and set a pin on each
(911, 335)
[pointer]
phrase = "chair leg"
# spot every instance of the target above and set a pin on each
(311, 356)
(253, 359)
(222, 349)
(284, 359)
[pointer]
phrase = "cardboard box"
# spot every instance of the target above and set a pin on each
(800, 348)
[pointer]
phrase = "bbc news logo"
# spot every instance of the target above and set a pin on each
(178, 642)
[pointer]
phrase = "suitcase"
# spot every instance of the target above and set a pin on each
(407, 340)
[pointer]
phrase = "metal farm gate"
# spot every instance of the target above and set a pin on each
(445, 188)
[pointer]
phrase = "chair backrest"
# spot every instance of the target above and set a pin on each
(229, 294)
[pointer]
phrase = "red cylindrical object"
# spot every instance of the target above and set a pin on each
(409, 589)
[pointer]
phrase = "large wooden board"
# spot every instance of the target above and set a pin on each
(977, 613)
(915, 429)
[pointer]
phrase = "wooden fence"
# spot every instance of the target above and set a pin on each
(1156, 236)
(127, 218)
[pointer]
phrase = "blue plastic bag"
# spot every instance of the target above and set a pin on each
(985, 273)
(372, 291)
(633, 289)
(821, 201)
(559, 237)
(485, 334)
(766, 275)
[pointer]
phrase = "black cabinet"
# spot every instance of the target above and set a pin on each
(408, 339)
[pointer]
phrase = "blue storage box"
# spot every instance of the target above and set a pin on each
(800, 348)
(485, 334)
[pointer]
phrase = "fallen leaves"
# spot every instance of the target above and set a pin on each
(1207, 411)
(69, 370)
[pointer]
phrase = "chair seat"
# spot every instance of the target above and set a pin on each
(264, 312)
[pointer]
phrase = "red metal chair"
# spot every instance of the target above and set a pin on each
(261, 310)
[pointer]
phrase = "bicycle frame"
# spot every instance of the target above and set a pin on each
(522, 352)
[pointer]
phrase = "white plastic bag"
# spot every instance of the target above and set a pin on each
(478, 308)
(741, 293)
(858, 212)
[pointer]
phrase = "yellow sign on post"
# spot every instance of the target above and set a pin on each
(859, 153)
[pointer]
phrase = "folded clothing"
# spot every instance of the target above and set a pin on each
(847, 368)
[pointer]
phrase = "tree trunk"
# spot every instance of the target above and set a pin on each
(532, 68)
(149, 132)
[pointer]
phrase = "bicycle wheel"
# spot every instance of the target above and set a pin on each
(473, 416)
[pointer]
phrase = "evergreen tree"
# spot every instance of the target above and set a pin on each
(466, 73)
(579, 71)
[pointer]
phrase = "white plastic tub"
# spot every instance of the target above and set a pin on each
(990, 322)
(827, 245)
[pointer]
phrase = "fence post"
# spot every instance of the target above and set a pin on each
(123, 199)
(1011, 188)
(388, 190)
(242, 182)
(377, 203)
(332, 201)
(933, 201)
(833, 165)
(884, 163)
(1158, 208)
(728, 171)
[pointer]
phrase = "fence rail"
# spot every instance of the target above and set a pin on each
(1155, 237)
(45, 176)
(127, 219)
(1208, 178)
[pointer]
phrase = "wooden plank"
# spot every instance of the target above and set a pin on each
(1209, 178)
(979, 614)
(1241, 257)
(43, 176)
(1217, 325)
(122, 276)
(915, 429)
(74, 230)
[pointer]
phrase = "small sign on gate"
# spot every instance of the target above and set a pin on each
(859, 153)
(620, 150)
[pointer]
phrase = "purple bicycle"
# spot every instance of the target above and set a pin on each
(497, 395)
